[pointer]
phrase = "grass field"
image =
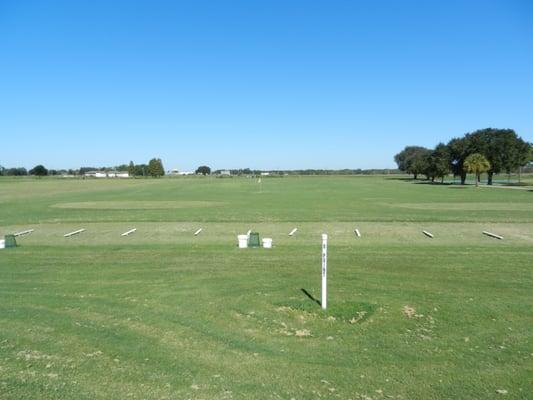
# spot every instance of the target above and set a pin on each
(162, 314)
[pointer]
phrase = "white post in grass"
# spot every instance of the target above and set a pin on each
(324, 301)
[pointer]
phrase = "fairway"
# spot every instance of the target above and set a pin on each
(165, 314)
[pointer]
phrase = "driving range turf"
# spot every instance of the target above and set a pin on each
(164, 314)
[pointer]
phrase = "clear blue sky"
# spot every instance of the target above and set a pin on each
(259, 84)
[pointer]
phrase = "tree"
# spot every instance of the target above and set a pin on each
(204, 170)
(503, 148)
(412, 160)
(476, 163)
(131, 169)
(39, 170)
(458, 150)
(141, 169)
(21, 171)
(155, 168)
(438, 163)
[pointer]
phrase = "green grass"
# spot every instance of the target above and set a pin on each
(163, 314)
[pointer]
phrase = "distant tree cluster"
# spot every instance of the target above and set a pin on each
(39, 170)
(346, 171)
(154, 168)
(20, 171)
(203, 170)
(502, 150)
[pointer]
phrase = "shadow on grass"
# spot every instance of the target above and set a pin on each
(433, 183)
(516, 184)
(420, 181)
(396, 178)
(343, 311)
(310, 296)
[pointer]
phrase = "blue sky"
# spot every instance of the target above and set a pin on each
(260, 84)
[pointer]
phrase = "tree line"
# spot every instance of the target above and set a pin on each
(282, 172)
(154, 168)
(486, 150)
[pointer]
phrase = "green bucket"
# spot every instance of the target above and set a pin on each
(10, 241)
(253, 240)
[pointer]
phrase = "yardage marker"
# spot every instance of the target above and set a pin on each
(128, 232)
(428, 234)
(73, 233)
(197, 232)
(293, 231)
(357, 233)
(324, 302)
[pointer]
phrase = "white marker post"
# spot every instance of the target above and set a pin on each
(493, 235)
(27, 232)
(197, 232)
(73, 233)
(128, 232)
(357, 233)
(428, 234)
(293, 231)
(324, 301)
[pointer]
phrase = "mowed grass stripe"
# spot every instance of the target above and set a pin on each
(290, 199)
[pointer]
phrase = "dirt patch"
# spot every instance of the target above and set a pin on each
(302, 333)
(408, 311)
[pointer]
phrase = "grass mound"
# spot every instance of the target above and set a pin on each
(345, 311)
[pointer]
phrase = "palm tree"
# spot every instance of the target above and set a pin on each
(477, 164)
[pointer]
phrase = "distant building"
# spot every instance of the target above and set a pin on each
(95, 174)
(265, 173)
(106, 174)
(225, 172)
(176, 172)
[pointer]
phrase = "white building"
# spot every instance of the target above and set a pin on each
(176, 172)
(107, 174)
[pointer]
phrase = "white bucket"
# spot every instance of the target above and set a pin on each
(243, 241)
(267, 243)
(2, 244)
